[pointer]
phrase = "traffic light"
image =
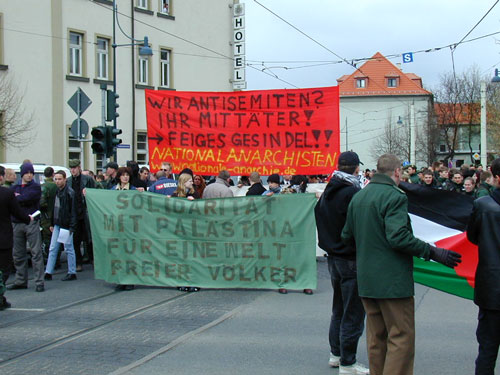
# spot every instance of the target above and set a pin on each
(112, 140)
(111, 105)
(100, 139)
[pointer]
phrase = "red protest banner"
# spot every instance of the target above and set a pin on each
(273, 131)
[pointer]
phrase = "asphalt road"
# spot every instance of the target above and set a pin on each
(84, 327)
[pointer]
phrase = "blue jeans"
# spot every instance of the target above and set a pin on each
(488, 337)
(54, 249)
(348, 313)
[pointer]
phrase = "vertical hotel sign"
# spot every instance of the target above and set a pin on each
(239, 82)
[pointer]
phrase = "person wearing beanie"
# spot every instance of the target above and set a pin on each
(28, 194)
(274, 185)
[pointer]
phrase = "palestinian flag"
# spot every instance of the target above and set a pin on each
(440, 218)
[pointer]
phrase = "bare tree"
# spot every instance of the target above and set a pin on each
(457, 109)
(394, 140)
(16, 121)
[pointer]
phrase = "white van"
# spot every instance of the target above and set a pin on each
(39, 168)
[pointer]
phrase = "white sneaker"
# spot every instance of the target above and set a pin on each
(356, 368)
(334, 361)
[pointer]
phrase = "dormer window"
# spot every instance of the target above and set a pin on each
(361, 83)
(392, 82)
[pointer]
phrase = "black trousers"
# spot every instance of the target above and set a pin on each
(488, 337)
(5, 263)
(82, 235)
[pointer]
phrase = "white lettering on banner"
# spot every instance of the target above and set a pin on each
(239, 46)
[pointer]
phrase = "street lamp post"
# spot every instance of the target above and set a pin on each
(484, 138)
(145, 50)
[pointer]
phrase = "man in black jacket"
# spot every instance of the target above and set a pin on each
(483, 229)
(348, 314)
(28, 194)
(79, 182)
(64, 220)
(256, 187)
(8, 207)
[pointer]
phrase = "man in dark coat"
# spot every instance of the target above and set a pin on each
(256, 187)
(378, 225)
(8, 207)
(483, 229)
(28, 194)
(79, 182)
(348, 314)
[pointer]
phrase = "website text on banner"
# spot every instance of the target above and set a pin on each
(273, 131)
(151, 239)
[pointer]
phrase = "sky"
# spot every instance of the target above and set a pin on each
(352, 29)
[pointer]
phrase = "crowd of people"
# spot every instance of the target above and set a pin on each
(363, 225)
(64, 219)
(471, 180)
(371, 275)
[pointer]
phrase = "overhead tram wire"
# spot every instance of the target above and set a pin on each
(454, 47)
(351, 63)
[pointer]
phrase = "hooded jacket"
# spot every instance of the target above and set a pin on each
(331, 212)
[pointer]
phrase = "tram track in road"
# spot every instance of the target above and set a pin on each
(59, 308)
(81, 332)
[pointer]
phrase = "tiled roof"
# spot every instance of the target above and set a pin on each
(377, 71)
(457, 113)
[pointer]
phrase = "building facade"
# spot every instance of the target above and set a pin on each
(50, 48)
(381, 108)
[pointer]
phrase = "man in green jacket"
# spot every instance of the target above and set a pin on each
(486, 185)
(379, 225)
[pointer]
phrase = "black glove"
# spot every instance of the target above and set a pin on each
(447, 257)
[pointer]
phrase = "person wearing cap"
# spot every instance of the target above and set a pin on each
(274, 185)
(111, 170)
(79, 182)
(28, 194)
(348, 314)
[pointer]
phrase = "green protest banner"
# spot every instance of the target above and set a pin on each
(241, 242)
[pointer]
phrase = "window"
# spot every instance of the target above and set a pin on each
(102, 58)
(142, 147)
(165, 67)
(143, 76)
(165, 6)
(361, 83)
(75, 54)
(392, 82)
(442, 148)
(142, 4)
